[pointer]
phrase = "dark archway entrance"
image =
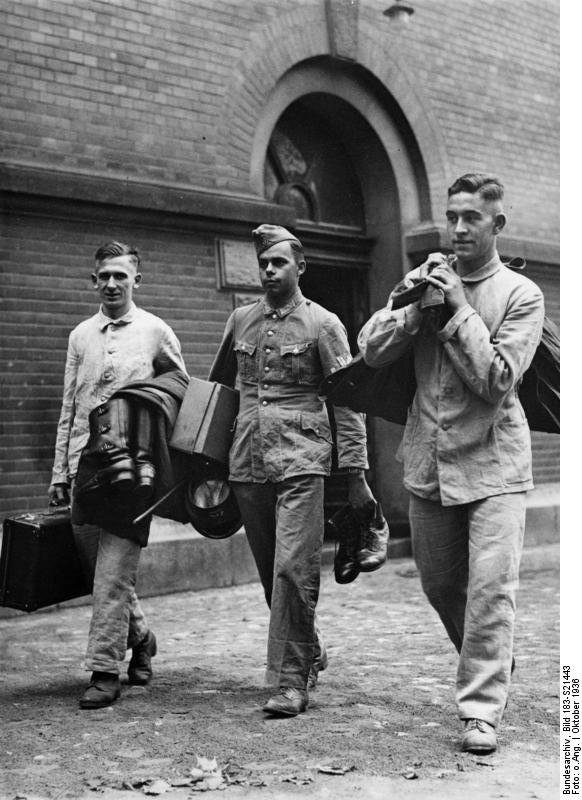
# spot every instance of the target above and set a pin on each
(309, 167)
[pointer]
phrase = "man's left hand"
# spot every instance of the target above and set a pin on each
(444, 277)
(360, 497)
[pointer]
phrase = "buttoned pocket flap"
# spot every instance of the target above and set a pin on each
(315, 424)
(295, 349)
(245, 347)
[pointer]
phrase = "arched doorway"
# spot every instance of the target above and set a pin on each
(309, 167)
(332, 145)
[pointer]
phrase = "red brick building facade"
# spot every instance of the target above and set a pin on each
(179, 126)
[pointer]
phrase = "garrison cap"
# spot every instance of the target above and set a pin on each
(266, 236)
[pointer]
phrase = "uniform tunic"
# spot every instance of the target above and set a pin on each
(280, 454)
(283, 428)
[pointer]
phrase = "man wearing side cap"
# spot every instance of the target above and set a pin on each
(284, 346)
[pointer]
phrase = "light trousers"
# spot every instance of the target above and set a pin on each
(284, 527)
(468, 558)
(118, 623)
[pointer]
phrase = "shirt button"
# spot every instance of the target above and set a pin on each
(265, 386)
(267, 349)
(269, 333)
(103, 398)
(267, 369)
(446, 426)
(106, 376)
(274, 316)
(264, 402)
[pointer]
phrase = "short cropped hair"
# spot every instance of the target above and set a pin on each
(488, 187)
(116, 249)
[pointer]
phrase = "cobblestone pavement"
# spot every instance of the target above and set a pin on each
(384, 709)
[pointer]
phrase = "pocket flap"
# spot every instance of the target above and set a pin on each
(313, 422)
(245, 347)
(295, 349)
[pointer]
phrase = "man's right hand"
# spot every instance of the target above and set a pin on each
(59, 494)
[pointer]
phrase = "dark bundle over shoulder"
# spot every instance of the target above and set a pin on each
(388, 392)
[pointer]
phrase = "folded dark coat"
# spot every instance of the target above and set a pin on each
(96, 503)
(388, 391)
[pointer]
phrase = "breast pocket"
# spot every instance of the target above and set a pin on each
(246, 359)
(301, 362)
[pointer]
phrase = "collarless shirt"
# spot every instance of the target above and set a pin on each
(283, 428)
(466, 436)
(103, 355)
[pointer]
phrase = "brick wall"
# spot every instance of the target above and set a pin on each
(170, 92)
(147, 88)
(46, 265)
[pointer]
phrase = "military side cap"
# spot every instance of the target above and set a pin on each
(266, 236)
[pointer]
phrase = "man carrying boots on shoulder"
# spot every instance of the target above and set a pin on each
(466, 445)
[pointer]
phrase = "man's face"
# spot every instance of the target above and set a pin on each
(279, 273)
(473, 224)
(115, 280)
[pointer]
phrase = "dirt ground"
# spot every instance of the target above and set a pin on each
(381, 724)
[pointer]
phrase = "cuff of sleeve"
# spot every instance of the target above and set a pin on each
(454, 323)
(412, 319)
(60, 477)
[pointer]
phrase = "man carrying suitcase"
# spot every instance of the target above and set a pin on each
(119, 344)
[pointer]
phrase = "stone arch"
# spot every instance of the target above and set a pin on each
(284, 52)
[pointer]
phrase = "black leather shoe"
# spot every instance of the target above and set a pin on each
(139, 670)
(103, 690)
(346, 529)
(319, 664)
(288, 702)
(374, 547)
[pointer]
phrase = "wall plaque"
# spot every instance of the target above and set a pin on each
(237, 264)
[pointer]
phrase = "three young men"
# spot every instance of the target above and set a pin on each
(466, 445)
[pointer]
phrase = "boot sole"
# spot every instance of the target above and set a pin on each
(373, 567)
(89, 705)
(279, 712)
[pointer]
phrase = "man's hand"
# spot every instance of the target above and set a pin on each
(359, 496)
(446, 279)
(433, 261)
(59, 494)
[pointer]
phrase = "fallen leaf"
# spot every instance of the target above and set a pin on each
(214, 782)
(181, 782)
(485, 763)
(298, 780)
(410, 775)
(334, 769)
(196, 774)
(157, 787)
(207, 764)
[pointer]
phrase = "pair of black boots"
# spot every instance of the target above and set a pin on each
(363, 544)
(121, 437)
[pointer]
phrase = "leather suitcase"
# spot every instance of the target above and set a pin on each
(204, 425)
(39, 565)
